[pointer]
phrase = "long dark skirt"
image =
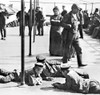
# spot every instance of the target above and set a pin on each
(55, 47)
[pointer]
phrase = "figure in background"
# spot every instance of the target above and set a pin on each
(2, 25)
(80, 14)
(64, 11)
(39, 21)
(86, 19)
(55, 46)
(18, 15)
(28, 21)
(96, 12)
(70, 22)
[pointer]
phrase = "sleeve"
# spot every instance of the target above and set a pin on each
(64, 22)
(60, 86)
(84, 75)
(54, 22)
(64, 86)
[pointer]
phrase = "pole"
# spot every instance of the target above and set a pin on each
(85, 6)
(92, 8)
(54, 4)
(30, 29)
(22, 26)
(34, 29)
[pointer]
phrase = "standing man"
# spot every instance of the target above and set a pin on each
(81, 23)
(39, 21)
(64, 11)
(70, 23)
(2, 25)
(18, 15)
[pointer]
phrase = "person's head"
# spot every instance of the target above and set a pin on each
(96, 10)
(65, 69)
(38, 68)
(94, 86)
(37, 8)
(40, 58)
(56, 10)
(63, 7)
(1, 10)
(75, 9)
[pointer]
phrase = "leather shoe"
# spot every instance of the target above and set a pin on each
(82, 65)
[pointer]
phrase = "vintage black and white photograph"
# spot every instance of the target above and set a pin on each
(50, 47)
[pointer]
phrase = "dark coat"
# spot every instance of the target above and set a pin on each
(2, 21)
(55, 35)
(69, 29)
(18, 15)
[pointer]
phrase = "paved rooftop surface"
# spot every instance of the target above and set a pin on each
(10, 57)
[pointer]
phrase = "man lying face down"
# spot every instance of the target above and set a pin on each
(77, 82)
(32, 76)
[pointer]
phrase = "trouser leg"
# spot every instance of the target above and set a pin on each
(81, 33)
(78, 51)
(19, 31)
(66, 52)
(38, 28)
(79, 59)
(4, 32)
(1, 34)
(67, 43)
(42, 31)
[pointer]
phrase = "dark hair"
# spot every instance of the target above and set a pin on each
(74, 6)
(55, 8)
(96, 10)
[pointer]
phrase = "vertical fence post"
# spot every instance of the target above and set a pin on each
(30, 29)
(34, 28)
(22, 26)
(85, 6)
(92, 7)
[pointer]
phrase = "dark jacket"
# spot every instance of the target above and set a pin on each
(2, 21)
(18, 15)
(39, 17)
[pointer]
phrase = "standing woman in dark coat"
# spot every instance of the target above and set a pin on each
(2, 26)
(55, 47)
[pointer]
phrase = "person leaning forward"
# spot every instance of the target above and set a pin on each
(70, 37)
(77, 81)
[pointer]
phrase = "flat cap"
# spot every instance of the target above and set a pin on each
(55, 8)
(40, 58)
(74, 6)
(65, 66)
(39, 64)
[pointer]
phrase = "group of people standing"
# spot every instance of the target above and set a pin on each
(39, 19)
(62, 43)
